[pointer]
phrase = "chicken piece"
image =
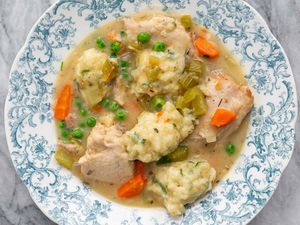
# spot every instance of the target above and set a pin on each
(104, 138)
(162, 28)
(180, 183)
(110, 166)
(222, 92)
(106, 159)
(71, 120)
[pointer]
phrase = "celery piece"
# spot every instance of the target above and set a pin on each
(186, 21)
(196, 67)
(64, 158)
(199, 104)
(188, 80)
(153, 73)
(180, 154)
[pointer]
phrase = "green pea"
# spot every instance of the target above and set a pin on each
(61, 124)
(113, 106)
(123, 63)
(64, 133)
(125, 75)
(82, 112)
(91, 121)
(121, 114)
(159, 46)
(78, 102)
(77, 133)
(115, 46)
(100, 42)
(158, 102)
(144, 37)
(230, 149)
(105, 103)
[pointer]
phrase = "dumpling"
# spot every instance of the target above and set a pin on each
(157, 72)
(180, 183)
(157, 134)
(94, 72)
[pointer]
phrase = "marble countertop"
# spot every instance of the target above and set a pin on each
(17, 17)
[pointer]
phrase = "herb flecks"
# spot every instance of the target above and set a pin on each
(163, 188)
(85, 71)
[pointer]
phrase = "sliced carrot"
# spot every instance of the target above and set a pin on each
(218, 85)
(132, 188)
(206, 48)
(63, 103)
(97, 108)
(137, 107)
(139, 168)
(222, 117)
(111, 36)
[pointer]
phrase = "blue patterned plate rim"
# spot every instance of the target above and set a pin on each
(248, 186)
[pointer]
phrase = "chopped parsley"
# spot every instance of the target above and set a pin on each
(85, 71)
(196, 164)
(181, 173)
(137, 138)
(163, 188)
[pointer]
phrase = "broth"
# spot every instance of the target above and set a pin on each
(215, 153)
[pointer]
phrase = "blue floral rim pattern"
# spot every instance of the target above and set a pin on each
(64, 199)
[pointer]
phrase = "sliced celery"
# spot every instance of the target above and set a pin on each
(199, 104)
(153, 73)
(180, 104)
(64, 158)
(93, 94)
(186, 21)
(196, 67)
(108, 71)
(188, 80)
(191, 94)
(180, 154)
(153, 60)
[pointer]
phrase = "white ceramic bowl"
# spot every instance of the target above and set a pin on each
(65, 199)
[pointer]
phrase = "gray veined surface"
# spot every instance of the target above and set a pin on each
(16, 19)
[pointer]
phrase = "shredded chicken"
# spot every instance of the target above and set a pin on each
(222, 92)
(106, 159)
(71, 120)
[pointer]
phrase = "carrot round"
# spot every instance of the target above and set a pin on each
(139, 168)
(63, 103)
(97, 109)
(132, 188)
(206, 48)
(222, 117)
